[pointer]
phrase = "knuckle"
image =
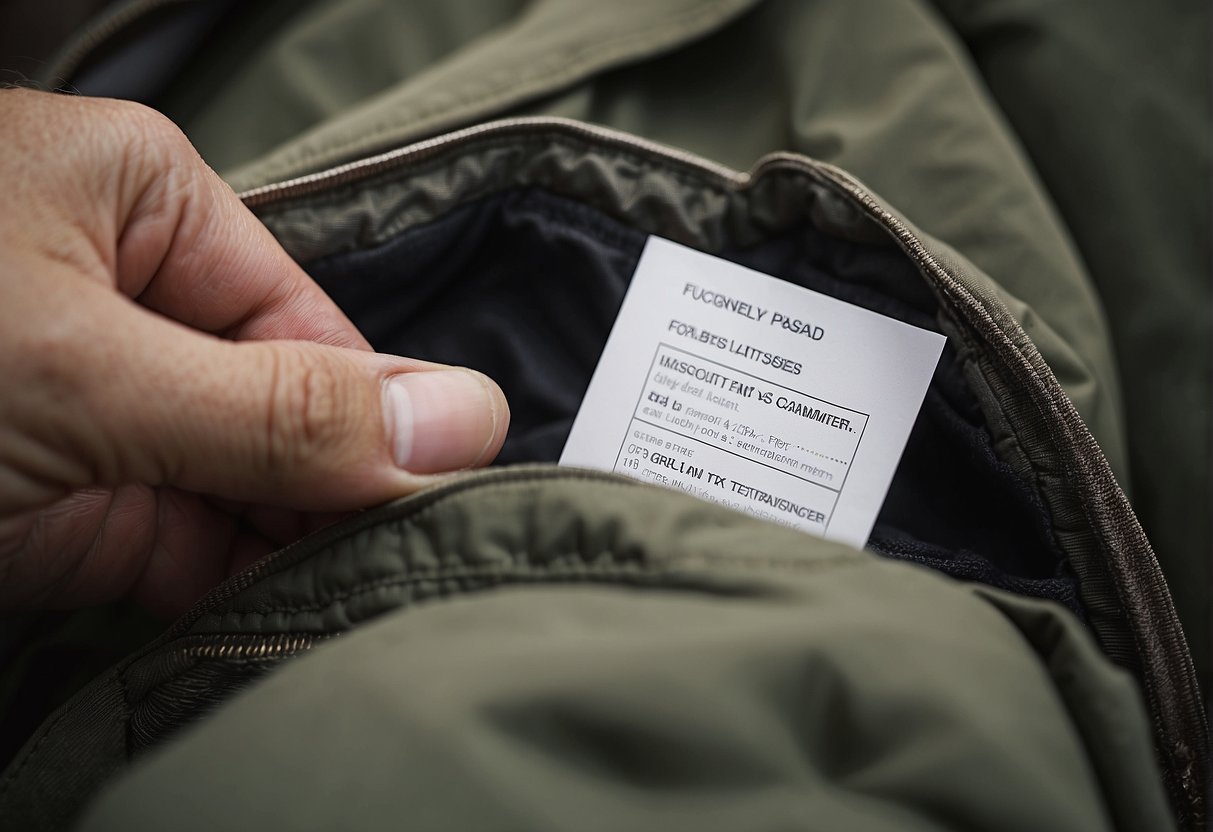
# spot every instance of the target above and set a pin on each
(136, 134)
(147, 125)
(154, 151)
(309, 409)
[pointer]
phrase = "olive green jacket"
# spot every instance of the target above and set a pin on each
(536, 648)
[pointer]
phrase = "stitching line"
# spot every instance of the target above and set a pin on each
(544, 573)
(330, 197)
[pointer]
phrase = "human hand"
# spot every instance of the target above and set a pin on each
(177, 397)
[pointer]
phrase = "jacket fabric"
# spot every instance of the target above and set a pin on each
(1055, 145)
(544, 648)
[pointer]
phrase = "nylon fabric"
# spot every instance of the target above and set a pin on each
(656, 663)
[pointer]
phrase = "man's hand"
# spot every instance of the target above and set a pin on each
(177, 397)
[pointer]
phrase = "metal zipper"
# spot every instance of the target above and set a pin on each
(1169, 675)
(251, 648)
(107, 25)
(384, 162)
(178, 643)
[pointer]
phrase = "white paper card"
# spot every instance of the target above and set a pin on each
(753, 392)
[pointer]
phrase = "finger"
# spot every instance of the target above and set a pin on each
(86, 548)
(189, 249)
(223, 272)
(278, 525)
(194, 548)
(164, 547)
(294, 424)
(116, 190)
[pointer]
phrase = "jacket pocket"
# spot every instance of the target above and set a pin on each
(508, 247)
(525, 231)
(566, 642)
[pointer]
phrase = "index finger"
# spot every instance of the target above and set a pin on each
(193, 252)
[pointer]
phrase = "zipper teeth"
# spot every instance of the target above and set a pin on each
(383, 162)
(236, 647)
(100, 30)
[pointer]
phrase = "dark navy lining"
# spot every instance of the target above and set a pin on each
(525, 287)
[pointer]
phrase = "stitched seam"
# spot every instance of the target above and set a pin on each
(655, 570)
(680, 172)
(549, 573)
(373, 520)
(418, 516)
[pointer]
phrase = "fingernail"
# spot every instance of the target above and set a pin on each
(442, 420)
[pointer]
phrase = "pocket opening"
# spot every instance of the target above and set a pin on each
(525, 284)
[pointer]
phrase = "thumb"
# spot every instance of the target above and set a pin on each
(287, 423)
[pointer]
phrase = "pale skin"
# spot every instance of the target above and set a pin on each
(177, 397)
